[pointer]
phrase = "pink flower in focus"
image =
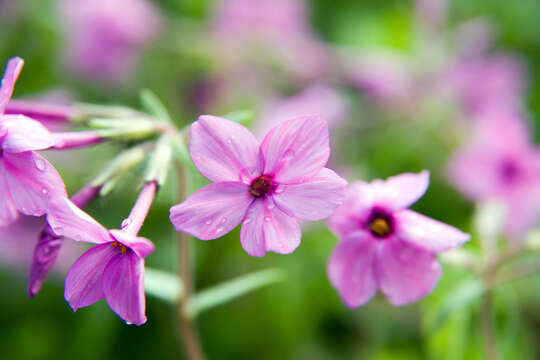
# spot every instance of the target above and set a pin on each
(265, 187)
(113, 269)
(104, 38)
(247, 30)
(386, 246)
(27, 180)
(327, 102)
(500, 163)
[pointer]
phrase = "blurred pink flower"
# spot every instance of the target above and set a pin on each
(247, 30)
(105, 38)
(113, 269)
(485, 81)
(386, 246)
(500, 163)
(321, 100)
(27, 180)
(265, 187)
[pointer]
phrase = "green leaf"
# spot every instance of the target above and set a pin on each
(465, 293)
(163, 285)
(160, 161)
(229, 290)
(153, 105)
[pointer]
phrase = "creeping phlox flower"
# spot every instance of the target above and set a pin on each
(386, 246)
(113, 269)
(501, 163)
(263, 187)
(27, 180)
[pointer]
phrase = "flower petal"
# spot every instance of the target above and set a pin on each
(297, 149)
(142, 246)
(267, 228)
(24, 134)
(401, 191)
(405, 273)
(212, 211)
(32, 182)
(359, 197)
(13, 69)
(315, 199)
(429, 234)
(223, 150)
(8, 210)
(66, 219)
(123, 286)
(84, 281)
(351, 271)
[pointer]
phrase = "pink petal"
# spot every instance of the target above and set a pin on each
(426, 233)
(223, 150)
(8, 211)
(123, 286)
(351, 271)
(32, 181)
(212, 211)
(267, 228)
(66, 219)
(405, 273)
(84, 281)
(24, 134)
(401, 191)
(13, 69)
(142, 247)
(297, 149)
(315, 199)
(359, 197)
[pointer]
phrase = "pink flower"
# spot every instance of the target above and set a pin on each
(386, 246)
(500, 163)
(113, 269)
(27, 180)
(104, 38)
(316, 99)
(263, 187)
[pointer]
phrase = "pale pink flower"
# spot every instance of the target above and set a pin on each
(27, 180)
(113, 269)
(265, 187)
(500, 163)
(105, 38)
(386, 246)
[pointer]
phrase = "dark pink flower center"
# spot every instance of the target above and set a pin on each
(381, 223)
(509, 171)
(261, 186)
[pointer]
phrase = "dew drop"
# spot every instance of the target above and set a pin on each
(208, 222)
(267, 219)
(279, 190)
(218, 230)
(230, 140)
(223, 221)
(247, 221)
(39, 164)
(271, 206)
(44, 191)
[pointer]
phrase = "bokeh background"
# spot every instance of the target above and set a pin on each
(400, 82)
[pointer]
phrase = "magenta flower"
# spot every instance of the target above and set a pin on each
(113, 269)
(501, 163)
(386, 246)
(266, 187)
(105, 38)
(27, 180)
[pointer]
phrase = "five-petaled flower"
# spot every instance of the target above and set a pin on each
(113, 269)
(263, 187)
(386, 246)
(27, 180)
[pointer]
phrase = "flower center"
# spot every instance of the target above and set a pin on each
(116, 244)
(509, 171)
(381, 224)
(261, 186)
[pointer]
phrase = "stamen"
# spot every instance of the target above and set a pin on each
(116, 244)
(261, 186)
(379, 227)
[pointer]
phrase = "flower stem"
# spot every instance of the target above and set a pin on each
(133, 223)
(190, 337)
(489, 336)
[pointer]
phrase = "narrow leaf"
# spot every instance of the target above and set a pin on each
(153, 105)
(163, 285)
(229, 290)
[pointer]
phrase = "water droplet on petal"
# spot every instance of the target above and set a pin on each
(279, 190)
(271, 206)
(223, 221)
(230, 140)
(267, 219)
(208, 222)
(218, 230)
(39, 164)
(44, 191)
(247, 221)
